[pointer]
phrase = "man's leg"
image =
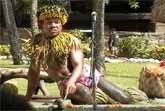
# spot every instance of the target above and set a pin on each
(113, 91)
(43, 88)
(82, 95)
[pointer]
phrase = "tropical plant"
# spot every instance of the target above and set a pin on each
(157, 52)
(86, 41)
(4, 50)
(134, 46)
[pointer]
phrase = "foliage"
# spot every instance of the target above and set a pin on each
(107, 53)
(157, 52)
(82, 36)
(4, 50)
(134, 46)
(85, 41)
(86, 50)
(23, 6)
(134, 4)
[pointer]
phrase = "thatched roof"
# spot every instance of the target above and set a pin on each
(158, 11)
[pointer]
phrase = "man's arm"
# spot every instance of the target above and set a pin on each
(33, 77)
(76, 59)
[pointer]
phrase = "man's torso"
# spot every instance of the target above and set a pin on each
(54, 55)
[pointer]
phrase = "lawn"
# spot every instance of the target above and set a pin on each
(9, 64)
(122, 74)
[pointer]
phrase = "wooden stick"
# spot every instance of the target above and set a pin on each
(45, 97)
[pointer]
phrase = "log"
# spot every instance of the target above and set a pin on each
(7, 74)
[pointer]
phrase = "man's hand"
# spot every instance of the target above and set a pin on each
(70, 87)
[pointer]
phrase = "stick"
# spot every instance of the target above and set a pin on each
(66, 95)
(45, 97)
(92, 69)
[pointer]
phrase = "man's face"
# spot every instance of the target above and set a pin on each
(52, 27)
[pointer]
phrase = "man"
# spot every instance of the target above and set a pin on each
(60, 55)
(113, 42)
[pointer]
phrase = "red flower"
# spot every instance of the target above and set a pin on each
(162, 63)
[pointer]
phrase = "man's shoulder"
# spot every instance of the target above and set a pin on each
(71, 35)
(67, 34)
(71, 38)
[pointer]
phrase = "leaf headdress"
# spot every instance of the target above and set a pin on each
(51, 11)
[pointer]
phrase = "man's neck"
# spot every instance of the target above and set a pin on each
(52, 37)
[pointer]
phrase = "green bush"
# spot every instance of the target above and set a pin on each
(107, 53)
(134, 46)
(4, 50)
(85, 41)
(157, 52)
(86, 50)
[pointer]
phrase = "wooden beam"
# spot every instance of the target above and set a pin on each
(128, 16)
(113, 16)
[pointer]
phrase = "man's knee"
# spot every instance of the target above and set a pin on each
(82, 95)
(84, 91)
(85, 94)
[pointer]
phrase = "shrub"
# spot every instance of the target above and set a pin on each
(85, 41)
(107, 53)
(86, 50)
(4, 50)
(134, 46)
(157, 52)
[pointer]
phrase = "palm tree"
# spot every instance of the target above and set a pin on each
(12, 31)
(99, 39)
(158, 11)
(34, 23)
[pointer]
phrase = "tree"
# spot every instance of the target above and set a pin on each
(158, 11)
(12, 31)
(99, 6)
(34, 23)
(99, 39)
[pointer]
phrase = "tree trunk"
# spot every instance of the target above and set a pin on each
(158, 11)
(67, 5)
(15, 47)
(99, 39)
(34, 23)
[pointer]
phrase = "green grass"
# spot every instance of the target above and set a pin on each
(9, 64)
(22, 87)
(122, 74)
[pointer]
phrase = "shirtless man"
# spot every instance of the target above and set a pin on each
(60, 55)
